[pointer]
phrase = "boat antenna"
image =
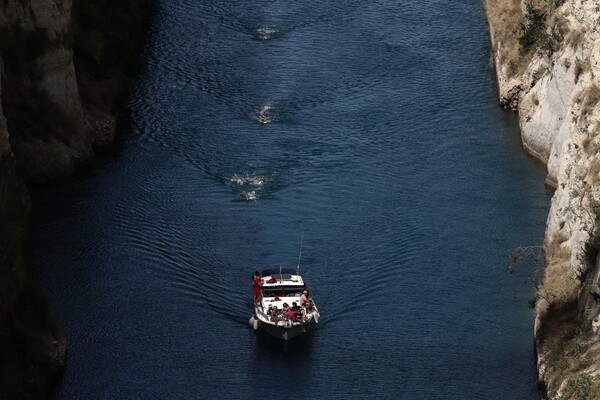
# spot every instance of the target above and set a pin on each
(300, 254)
(280, 276)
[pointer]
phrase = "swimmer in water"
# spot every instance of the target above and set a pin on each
(264, 109)
(237, 180)
(249, 196)
(256, 180)
(263, 118)
(265, 33)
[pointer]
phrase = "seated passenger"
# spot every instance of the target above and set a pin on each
(304, 301)
(291, 315)
(274, 315)
(296, 313)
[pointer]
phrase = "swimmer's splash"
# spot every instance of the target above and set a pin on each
(266, 33)
(254, 180)
(264, 115)
(250, 185)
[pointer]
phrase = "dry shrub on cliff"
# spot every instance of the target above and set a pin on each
(594, 172)
(581, 66)
(559, 286)
(575, 38)
(591, 99)
(560, 23)
(506, 17)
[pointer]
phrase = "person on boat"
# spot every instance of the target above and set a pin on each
(256, 283)
(288, 313)
(291, 315)
(304, 298)
(305, 301)
(297, 309)
(274, 315)
(296, 313)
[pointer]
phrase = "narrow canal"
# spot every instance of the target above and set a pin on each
(383, 143)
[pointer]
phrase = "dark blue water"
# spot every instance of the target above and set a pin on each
(386, 148)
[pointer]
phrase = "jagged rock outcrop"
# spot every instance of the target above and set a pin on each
(558, 86)
(68, 64)
(65, 66)
(39, 78)
(32, 345)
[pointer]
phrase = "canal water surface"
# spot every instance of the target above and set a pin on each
(372, 128)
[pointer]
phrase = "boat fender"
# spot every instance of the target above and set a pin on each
(253, 323)
(316, 316)
(288, 324)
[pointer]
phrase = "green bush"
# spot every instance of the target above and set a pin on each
(534, 31)
(578, 388)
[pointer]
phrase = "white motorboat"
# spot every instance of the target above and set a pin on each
(278, 289)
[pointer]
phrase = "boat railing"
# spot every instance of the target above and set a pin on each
(261, 312)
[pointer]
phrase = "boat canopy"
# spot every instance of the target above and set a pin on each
(277, 271)
(283, 291)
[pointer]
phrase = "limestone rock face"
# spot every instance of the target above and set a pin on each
(547, 91)
(543, 109)
(559, 116)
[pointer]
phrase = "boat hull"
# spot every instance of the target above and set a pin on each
(281, 332)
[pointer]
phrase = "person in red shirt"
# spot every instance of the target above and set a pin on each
(256, 283)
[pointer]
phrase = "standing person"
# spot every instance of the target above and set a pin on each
(256, 283)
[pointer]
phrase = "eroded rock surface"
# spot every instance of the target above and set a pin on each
(559, 115)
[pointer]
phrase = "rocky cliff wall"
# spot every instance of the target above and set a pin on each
(65, 66)
(50, 134)
(555, 87)
(32, 345)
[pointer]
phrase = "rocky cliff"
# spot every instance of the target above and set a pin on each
(65, 66)
(32, 345)
(547, 57)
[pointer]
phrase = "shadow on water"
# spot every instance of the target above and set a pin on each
(299, 346)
